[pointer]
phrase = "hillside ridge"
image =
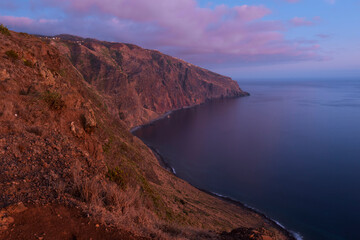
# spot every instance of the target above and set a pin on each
(142, 84)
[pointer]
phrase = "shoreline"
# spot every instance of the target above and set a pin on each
(163, 163)
(286, 231)
(291, 234)
(135, 128)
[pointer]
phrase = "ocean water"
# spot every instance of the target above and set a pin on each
(290, 150)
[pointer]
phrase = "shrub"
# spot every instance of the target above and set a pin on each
(35, 130)
(53, 99)
(4, 30)
(107, 145)
(12, 54)
(122, 115)
(23, 92)
(119, 176)
(28, 63)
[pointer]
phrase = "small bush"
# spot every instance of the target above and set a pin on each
(4, 30)
(12, 54)
(35, 130)
(23, 92)
(28, 63)
(118, 176)
(122, 115)
(53, 99)
(106, 146)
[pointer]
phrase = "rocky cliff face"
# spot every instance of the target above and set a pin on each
(143, 84)
(65, 161)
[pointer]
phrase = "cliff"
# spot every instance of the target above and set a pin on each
(71, 170)
(142, 84)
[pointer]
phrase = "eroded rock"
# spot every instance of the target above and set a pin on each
(89, 121)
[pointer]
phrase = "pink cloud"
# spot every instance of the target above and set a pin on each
(178, 27)
(17, 21)
(301, 21)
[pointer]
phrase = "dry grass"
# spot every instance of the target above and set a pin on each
(105, 200)
(112, 205)
(54, 100)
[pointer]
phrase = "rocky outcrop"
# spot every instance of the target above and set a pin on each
(89, 121)
(143, 84)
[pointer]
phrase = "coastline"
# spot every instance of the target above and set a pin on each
(135, 128)
(163, 163)
(291, 234)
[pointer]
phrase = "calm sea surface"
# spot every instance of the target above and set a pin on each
(290, 150)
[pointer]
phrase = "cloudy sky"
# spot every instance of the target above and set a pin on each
(245, 39)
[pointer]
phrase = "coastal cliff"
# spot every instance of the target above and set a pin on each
(142, 84)
(70, 169)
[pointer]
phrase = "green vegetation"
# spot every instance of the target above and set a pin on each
(4, 30)
(156, 199)
(150, 192)
(118, 176)
(54, 100)
(12, 54)
(28, 63)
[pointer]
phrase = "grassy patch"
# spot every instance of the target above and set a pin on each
(4, 30)
(118, 176)
(160, 207)
(54, 100)
(12, 54)
(150, 192)
(28, 63)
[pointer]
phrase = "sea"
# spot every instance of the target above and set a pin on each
(290, 150)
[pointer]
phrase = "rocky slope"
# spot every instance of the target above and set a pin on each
(142, 84)
(63, 155)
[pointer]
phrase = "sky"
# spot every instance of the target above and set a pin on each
(243, 39)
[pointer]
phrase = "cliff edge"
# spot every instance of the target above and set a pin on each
(142, 84)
